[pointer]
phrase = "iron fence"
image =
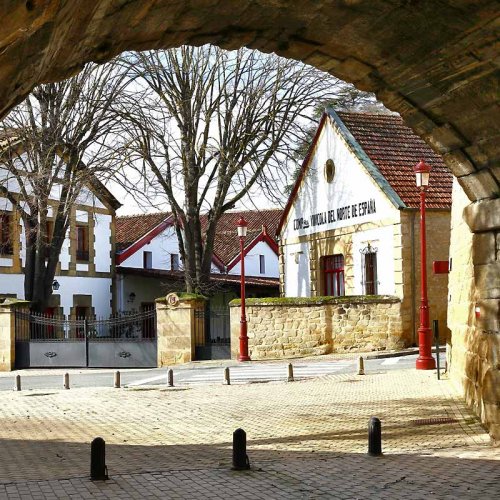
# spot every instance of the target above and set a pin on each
(130, 326)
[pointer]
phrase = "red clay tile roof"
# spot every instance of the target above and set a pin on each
(395, 149)
(226, 245)
(130, 228)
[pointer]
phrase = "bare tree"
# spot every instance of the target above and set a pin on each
(53, 144)
(209, 126)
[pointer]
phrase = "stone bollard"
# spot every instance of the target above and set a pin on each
(117, 382)
(98, 469)
(374, 437)
(290, 372)
(66, 380)
(170, 376)
(18, 383)
(361, 366)
(240, 457)
(227, 376)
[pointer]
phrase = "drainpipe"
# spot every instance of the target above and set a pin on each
(413, 282)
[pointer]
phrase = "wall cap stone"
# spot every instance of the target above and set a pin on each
(183, 297)
(11, 302)
(317, 301)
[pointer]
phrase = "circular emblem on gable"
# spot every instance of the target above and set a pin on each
(172, 299)
(329, 170)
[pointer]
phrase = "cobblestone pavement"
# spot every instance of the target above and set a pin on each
(305, 440)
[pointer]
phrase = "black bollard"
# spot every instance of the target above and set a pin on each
(98, 469)
(170, 377)
(240, 457)
(374, 437)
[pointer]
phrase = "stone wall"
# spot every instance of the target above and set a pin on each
(177, 326)
(474, 282)
(280, 328)
(438, 244)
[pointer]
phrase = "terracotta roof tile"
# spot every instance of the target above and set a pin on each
(226, 245)
(130, 228)
(395, 149)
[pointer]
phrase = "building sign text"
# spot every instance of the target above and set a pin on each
(339, 214)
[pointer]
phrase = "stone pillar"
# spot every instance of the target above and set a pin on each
(178, 327)
(474, 308)
(234, 323)
(8, 333)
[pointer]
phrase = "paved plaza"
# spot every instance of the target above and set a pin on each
(306, 439)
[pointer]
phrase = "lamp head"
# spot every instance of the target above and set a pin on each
(422, 172)
(242, 227)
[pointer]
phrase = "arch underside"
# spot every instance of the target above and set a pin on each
(433, 61)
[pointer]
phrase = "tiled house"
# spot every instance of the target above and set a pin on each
(149, 264)
(351, 225)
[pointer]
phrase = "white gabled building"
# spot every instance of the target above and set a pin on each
(149, 263)
(351, 225)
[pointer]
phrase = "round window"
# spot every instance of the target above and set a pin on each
(329, 170)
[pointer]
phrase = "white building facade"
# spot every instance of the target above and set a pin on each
(84, 276)
(351, 224)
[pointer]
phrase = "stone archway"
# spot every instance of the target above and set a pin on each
(433, 62)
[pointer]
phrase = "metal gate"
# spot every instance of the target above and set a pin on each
(121, 341)
(212, 333)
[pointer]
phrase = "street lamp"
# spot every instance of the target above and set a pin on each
(425, 361)
(242, 232)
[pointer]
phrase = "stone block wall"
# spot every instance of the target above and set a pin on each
(474, 284)
(438, 244)
(280, 328)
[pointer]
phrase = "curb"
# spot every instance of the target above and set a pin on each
(407, 352)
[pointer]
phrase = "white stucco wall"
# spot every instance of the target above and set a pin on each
(98, 288)
(382, 239)
(339, 203)
(350, 201)
(252, 262)
(161, 247)
(102, 238)
(12, 284)
(297, 271)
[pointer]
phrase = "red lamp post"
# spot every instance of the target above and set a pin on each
(242, 232)
(425, 361)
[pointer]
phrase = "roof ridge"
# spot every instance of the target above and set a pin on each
(372, 113)
(129, 216)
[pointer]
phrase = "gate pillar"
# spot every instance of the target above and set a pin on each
(177, 326)
(8, 332)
